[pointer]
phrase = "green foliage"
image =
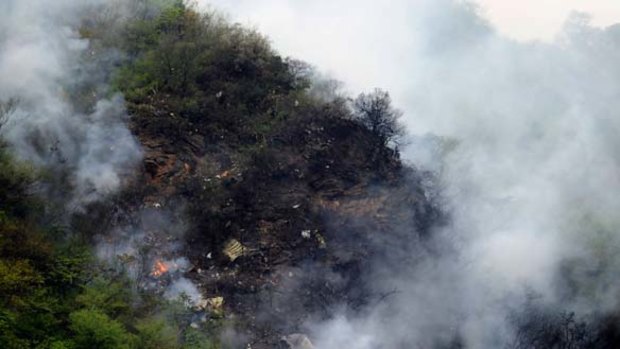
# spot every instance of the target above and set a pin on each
(156, 333)
(94, 329)
(195, 339)
(66, 271)
(17, 277)
(193, 72)
(52, 295)
(110, 297)
(182, 73)
(15, 180)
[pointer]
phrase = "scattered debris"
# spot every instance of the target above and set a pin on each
(298, 341)
(216, 303)
(213, 305)
(233, 249)
(296, 206)
(306, 234)
(321, 240)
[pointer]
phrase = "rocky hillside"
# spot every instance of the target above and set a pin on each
(284, 193)
(285, 196)
(171, 181)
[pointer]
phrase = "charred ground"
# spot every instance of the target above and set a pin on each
(262, 186)
(236, 135)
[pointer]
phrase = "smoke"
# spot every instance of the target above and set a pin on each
(530, 179)
(65, 119)
(530, 186)
(531, 183)
(68, 122)
(149, 247)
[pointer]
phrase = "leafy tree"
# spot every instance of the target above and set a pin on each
(113, 298)
(195, 339)
(375, 111)
(94, 329)
(15, 181)
(155, 333)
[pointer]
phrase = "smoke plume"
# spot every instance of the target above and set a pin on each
(523, 139)
(530, 186)
(65, 119)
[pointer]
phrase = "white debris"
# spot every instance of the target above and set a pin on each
(298, 341)
(306, 234)
(296, 206)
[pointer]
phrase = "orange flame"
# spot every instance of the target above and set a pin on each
(159, 269)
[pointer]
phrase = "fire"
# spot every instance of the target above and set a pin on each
(159, 269)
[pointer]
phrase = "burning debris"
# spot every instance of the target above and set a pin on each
(162, 267)
(159, 269)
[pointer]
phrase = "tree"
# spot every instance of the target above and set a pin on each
(375, 111)
(94, 329)
(6, 108)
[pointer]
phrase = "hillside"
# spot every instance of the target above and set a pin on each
(260, 199)
(169, 180)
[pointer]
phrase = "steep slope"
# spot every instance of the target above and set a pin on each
(286, 198)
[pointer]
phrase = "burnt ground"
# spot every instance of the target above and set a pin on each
(312, 207)
(310, 210)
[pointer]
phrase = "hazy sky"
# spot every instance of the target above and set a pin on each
(368, 43)
(541, 19)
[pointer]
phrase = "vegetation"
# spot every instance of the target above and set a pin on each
(55, 295)
(375, 111)
(259, 152)
(53, 292)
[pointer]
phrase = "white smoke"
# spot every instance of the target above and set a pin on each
(183, 287)
(43, 60)
(531, 186)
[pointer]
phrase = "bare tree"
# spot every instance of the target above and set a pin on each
(375, 111)
(6, 108)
